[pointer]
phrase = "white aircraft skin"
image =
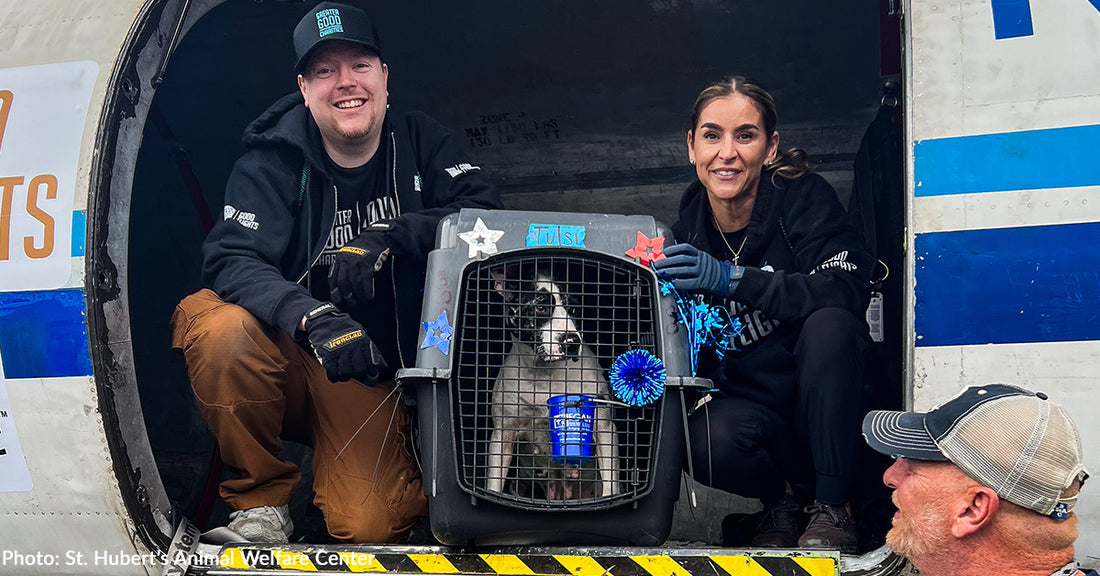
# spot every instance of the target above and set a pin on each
(63, 505)
(80, 492)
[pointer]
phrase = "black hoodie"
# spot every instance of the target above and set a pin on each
(800, 255)
(278, 214)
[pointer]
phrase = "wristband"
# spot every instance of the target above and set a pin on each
(326, 308)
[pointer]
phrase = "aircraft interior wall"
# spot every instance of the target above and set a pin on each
(565, 105)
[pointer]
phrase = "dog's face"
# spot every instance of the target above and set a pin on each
(537, 314)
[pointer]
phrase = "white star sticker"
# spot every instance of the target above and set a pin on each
(481, 239)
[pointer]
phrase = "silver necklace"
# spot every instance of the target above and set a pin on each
(735, 253)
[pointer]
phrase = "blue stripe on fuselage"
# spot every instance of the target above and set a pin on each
(43, 334)
(1008, 285)
(80, 229)
(1011, 18)
(1028, 160)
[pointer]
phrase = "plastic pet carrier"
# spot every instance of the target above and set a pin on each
(549, 381)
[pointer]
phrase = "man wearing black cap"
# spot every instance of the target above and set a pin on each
(984, 483)
(321, 255)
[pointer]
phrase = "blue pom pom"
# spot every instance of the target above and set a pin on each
(638, 377)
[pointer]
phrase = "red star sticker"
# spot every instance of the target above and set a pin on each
(647, 250)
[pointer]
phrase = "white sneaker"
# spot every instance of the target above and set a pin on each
(263, 524)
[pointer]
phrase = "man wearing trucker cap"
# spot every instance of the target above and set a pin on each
(984, 483)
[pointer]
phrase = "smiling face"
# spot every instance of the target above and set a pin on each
(345, 88)
(729, 147)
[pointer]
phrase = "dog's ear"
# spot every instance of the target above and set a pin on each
(501, 284)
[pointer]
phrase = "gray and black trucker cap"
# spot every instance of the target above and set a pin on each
(1017, 442)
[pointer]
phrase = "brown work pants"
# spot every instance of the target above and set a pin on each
(255, 386)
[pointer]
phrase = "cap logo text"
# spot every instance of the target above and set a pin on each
(328, 22)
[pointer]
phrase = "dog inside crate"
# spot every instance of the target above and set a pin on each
(543, 327)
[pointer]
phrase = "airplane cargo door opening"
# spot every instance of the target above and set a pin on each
(565, 106)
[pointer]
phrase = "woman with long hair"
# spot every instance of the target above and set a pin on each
(762, 234)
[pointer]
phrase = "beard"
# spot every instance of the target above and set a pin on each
(919, 536)
(363, 126)
(360, 132)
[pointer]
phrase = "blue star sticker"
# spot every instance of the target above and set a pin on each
(438, 333)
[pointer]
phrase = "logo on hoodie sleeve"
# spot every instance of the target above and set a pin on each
(460, 169)
(838, 261)
(246, 219)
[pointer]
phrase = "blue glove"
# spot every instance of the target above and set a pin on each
(693, 270)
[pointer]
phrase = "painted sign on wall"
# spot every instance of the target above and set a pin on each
(42, 114)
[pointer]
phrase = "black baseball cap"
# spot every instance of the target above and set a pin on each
(332, 21)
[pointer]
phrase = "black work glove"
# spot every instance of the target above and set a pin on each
(342, 346)
(351, 276)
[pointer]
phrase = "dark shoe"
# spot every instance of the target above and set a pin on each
(829, 527)
(778, 527)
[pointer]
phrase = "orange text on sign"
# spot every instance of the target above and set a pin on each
(44, 184)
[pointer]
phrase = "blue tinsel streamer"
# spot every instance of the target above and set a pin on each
(637, 377)
(708, 327)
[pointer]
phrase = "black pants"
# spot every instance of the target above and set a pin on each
(743, 447)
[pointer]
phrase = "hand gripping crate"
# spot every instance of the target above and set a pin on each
(501, 277)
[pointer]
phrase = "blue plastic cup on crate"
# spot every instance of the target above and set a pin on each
(571, 419)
